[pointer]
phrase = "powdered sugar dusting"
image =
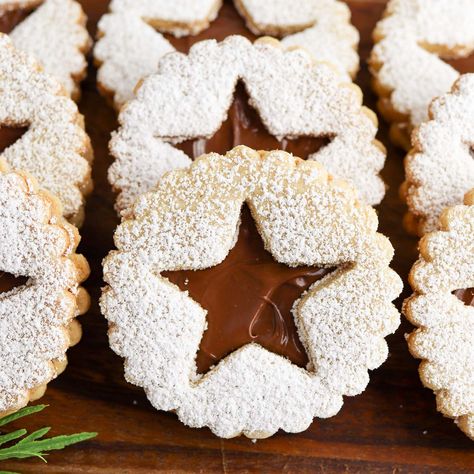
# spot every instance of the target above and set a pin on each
(190, 95)
(123, 59)
(322, 27)
(411, 39)
(326, 33)
(55, 149)
(189, 221)
(440, 168)
(56, 36)
(446, 264)
(33, 318)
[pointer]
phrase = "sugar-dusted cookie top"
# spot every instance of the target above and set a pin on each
(190, 95)
(304, 217)
(440, 167)
(321, 26)
(55, 149)
(182, 17)
(55, 35)
(443, 310)
(37, 318)
(406, 62)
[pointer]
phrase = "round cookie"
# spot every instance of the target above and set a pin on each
(190, 95)
(443, 310)
(55, 35)
(37, 322)
(55, 149)
(406, 62)
(304, 217)
(321, 26)
(440, 167)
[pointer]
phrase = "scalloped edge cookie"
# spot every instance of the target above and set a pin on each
(55, 149)
(445, 331)
(305, 217)
(406, 65)
(190, 95)
(59, 270)
(55, 35)
(440, 167)
(122, 62)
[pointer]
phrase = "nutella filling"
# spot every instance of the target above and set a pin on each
(9, 282)
(249, 298)
(12, 18)
(9, 135)
(466, 296)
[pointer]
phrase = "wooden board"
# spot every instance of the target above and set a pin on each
(392, 427)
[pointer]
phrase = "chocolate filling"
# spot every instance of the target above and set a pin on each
(244, 127)
(9, 135)
(12, 18)
(249, 297)
(227, 23)
(466, 296)
(9, 282)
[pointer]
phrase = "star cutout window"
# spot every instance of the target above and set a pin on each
(249, 298)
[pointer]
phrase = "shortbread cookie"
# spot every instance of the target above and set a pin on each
(55, 149)
(406, 62)
(190, 222)
(440, 167)
(37, 322)
(443, 310)
(189, 97)
(321, 26)
(56, 36)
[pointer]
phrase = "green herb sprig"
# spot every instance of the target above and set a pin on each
(34, 444)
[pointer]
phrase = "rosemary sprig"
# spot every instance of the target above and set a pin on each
(33, 444)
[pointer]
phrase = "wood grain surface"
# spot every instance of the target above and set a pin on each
(392, 427)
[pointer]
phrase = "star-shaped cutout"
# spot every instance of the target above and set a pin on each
(249, 298)
(244, 127)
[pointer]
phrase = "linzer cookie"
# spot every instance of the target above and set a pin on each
(407, 61)
(443, 310)
(39, 290)
(440, 167)
(299, 104)
(54, 147)
(321, 26)
(256, 319)
(54, 34)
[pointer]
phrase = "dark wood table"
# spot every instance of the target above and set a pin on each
(392, 427)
